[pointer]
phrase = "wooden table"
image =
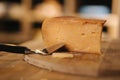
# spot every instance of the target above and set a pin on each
(13, 67)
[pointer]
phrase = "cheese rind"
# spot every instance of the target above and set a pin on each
(80, 35)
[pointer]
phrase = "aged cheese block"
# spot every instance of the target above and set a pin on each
(80, 35)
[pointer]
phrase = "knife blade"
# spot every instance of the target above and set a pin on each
(26, 50)
(52, 48)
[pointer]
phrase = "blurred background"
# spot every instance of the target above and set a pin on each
(21, 20)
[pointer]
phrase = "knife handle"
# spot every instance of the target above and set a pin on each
(14, 49)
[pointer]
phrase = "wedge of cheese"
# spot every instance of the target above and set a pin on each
(79, 35)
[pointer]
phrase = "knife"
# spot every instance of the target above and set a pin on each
(26, 50)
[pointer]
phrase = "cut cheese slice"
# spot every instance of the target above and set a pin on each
(79, 35)
(62, 55)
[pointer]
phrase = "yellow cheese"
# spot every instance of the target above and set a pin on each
(62, 55)
(80, 35)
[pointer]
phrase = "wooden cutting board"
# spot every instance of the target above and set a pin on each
(78, 65)
(85, 64)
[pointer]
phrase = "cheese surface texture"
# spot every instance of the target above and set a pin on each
(79, 35)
